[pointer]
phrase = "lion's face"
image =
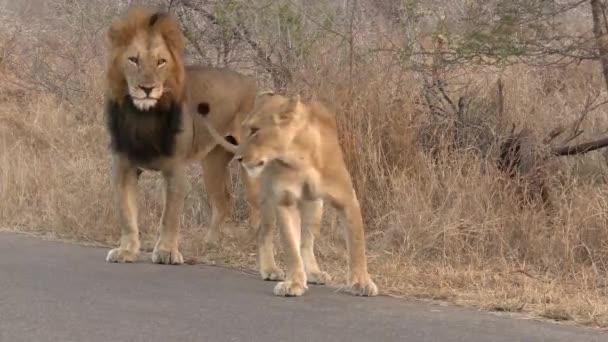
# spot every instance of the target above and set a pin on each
(268, 132)
(146, 64)
(146, 58)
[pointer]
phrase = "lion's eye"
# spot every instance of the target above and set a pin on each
(162, 62)
(134, 60)
(253, 130)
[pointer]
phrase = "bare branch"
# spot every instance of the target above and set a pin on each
(597, 8)
(279, 74)
(580, 148)
(556, 132)
(576, 126)
(501, 98)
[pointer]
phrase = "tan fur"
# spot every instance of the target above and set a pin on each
(293, 148)
(149, 54)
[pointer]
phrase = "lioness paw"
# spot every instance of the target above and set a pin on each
(318, 278)
(289, 289)
(121, 255)
(365, 288)
(167, 257)
(272, 274)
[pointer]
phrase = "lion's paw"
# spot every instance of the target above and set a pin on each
(318, 278)
(366, 288)
(272, 274)
(167, 257)
(121, 255)
(289, 289)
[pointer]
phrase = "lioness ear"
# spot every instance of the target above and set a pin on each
(293, 101)
(289, 111)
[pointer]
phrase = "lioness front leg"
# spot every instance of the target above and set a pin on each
(288, 221)
(124, 177)
(311, 213)
(252, 197)
(344, 198)
(267, 265)
(166, 250)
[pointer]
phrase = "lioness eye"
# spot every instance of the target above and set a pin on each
(253, 130)
(162, 62)
(134, 60)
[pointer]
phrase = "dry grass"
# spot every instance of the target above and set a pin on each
(444, 225)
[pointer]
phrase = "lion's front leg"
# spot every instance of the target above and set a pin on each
(125, 184)
(166, 250)
(288, 220)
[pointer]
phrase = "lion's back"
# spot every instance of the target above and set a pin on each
(198, 76)
(220, 87)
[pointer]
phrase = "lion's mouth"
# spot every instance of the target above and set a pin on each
(144, 103)
(254, 169)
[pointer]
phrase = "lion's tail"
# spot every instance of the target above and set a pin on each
(203, 110)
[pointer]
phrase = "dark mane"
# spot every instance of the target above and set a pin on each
(143, 136)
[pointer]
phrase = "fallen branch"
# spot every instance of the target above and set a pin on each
(580, 148)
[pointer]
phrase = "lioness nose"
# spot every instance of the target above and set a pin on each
(146, 90)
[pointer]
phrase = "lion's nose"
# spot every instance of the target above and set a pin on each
(146, 90)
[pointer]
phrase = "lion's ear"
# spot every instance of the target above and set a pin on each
(171, 31)
(123, 28)
(117, 33)
(289, 111)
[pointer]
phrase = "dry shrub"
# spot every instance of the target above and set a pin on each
(447, 224)
(442, 221)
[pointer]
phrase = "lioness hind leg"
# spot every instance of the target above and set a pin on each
(125, 184)
(166, 250)
(311, 213)
(288, 220)
(344, 198)
(217, 179)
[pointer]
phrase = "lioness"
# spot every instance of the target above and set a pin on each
(293, 148)
(151, 102)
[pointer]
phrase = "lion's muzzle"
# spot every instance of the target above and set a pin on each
(145, 96)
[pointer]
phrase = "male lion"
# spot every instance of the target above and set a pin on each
(293, 148)
(151, 104)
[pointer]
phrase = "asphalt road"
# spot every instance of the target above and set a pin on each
(52, 291)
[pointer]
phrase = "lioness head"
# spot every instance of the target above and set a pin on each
(269, 131)
(146, 58)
